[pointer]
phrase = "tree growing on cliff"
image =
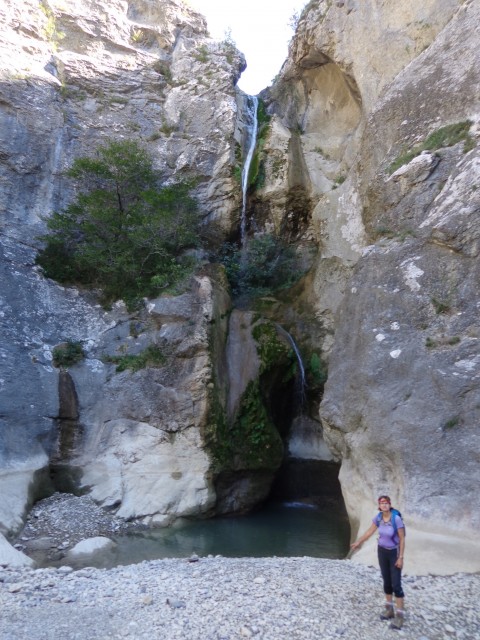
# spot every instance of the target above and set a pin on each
(124, 233)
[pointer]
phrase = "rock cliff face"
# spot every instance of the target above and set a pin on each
(73, 75)
(76, 73)
(142, 443)
(376, 117)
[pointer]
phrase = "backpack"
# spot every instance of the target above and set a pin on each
(394, 512)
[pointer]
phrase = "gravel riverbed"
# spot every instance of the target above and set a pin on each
(227, 598)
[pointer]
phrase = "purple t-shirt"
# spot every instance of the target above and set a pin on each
(387, 537)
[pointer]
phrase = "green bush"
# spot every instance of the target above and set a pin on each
(124, 234)
(444, 137)
(448, 136)
(252, 442)
(441, 306)
(256, 442)
(68, 354)
(263, 118)
(453, 422)
(162, 67)
(202, 55)
(152, 356)
(264, 265)
(256, 174)
(272, 351)
(317, 370)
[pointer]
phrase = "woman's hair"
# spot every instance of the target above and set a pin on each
(386, 498)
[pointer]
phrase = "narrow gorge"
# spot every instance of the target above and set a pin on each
(332, 315)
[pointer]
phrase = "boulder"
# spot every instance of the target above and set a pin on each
(20, 481)
(10, 557)
(90, 547)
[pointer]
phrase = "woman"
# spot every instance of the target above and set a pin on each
(391, 545)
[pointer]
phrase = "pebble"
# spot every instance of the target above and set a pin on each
(14, 588)
(65, 569)
(176, 604)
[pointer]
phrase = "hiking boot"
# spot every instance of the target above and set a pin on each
(397, 622)
(388, 613)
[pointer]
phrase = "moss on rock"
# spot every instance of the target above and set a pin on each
(252, 441)
(271, 350)
(257, 444)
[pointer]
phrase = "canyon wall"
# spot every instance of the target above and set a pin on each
(74, 75)
(153, 442)
(375, 117)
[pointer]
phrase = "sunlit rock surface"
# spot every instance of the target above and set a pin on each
(142, 447)
(90, 547)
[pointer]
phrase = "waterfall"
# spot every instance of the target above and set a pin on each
(246, 165)
(305, 439)
(299, 360)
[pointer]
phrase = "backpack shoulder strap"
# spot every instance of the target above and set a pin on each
(395, 513)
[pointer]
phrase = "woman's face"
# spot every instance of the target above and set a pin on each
(383, 505)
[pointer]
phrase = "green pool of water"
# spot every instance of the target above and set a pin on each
(288, 529)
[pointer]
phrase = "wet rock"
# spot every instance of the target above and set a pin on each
(90, 546)
(40, 544)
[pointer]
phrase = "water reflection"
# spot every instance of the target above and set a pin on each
(287, 529)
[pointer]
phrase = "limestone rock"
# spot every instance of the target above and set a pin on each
(10, 557)
(306, 440)
(391, 299)
(19, 473)
(392, 417)
(143, 451)
(140, 69)
(90, 546)
(371, 43)
(453, 216)
(417, 170)
(242, 359)
(141, 471)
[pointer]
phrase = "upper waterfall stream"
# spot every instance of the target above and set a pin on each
(246, 166)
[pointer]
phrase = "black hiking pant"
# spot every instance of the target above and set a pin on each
(392, 575)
